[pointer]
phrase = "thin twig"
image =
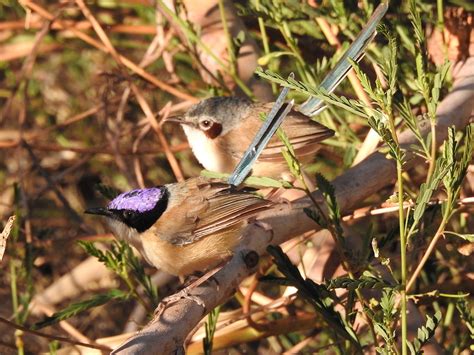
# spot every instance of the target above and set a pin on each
(373, 211)
(157, 129)
(125, 61)
(38, 23)
(65, 325)
(58, 193)
(98, 29)
(53, 337)
(136, 162)
(101, 149)
(27, 66)
(427, 253)
(261, 327)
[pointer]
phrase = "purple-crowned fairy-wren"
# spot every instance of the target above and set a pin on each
(183, 227)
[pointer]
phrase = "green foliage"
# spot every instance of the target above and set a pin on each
(123, 262)
(210, 327)
(467, 237)
(319, 296)
(254, 181)
(412, 122)
(394, 110)
(275, 12)
(427, 84)
(458, 166)
(289, 155)
(465, 311)
(379, 124)
(424, 334)
(363, 282)
(193, 36)
(316, 216)
(384, 322)
(53, 347)
(426, 192)
(138, 274)
(79, 307)
(352, 106)
(114, 259)
(334, 214)
(21, 262)
(389, 66)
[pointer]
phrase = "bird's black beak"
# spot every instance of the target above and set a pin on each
(101, 211)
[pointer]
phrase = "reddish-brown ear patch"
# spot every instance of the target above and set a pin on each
(213, 131)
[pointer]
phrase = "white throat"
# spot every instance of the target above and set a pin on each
(125, 233)
(206, 151)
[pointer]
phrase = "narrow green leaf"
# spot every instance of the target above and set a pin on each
(427, 189)
(79, 307)
(315, 216)
(424, 334)
(353, 106)
(364, 282)
(210, 328)
(264, 60)
(468, 237)
(254, 181)
(317, 295)
(329, 195)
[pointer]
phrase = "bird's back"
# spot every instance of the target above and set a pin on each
(303, 133)
(201, 225)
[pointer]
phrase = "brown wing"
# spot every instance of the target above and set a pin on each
(205, 208)
(304, 135)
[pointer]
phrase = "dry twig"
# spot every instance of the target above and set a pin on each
(53, 337)
(125, 61)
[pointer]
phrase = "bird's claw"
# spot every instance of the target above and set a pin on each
(183, 294)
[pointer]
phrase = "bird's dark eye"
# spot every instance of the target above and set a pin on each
(127, 215)
(205, 124)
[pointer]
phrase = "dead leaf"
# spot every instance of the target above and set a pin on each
(466, 249)
(455, 41)
(4, 235)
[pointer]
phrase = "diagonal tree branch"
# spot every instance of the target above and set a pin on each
(168, 333)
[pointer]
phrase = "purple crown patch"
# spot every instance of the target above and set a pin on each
(140, 200)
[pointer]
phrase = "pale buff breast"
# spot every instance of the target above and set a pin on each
(201, 255)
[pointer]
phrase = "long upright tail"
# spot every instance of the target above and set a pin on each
(312, 106)
(355, 52)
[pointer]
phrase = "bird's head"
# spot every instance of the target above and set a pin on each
(135, 211)
(214, 116)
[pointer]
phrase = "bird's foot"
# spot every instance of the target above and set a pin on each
(185, 293)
